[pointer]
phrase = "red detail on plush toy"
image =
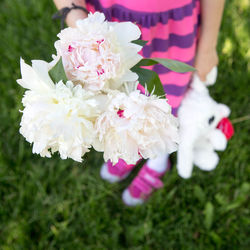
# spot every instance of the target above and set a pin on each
(226, 127)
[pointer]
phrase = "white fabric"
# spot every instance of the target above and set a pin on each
(159, 164)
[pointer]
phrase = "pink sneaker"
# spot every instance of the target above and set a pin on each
(143, 185)
(114, 173)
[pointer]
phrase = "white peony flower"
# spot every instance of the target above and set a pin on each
(99, 54)
(135, 126)
(56, 117)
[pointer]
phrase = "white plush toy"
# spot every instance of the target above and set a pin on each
(204, 128)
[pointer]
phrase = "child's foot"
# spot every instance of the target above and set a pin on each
(114, 173)
(147, 180)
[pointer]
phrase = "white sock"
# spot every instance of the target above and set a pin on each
(158, 164)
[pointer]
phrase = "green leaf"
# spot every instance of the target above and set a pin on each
(57, 73)
(168, 63)
(150, 79)
(174, 65)
(140, 42)
(209, 214)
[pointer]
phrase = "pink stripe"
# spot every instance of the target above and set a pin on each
(141, 88)
(147, 6)
(176, 53)
(177, 79)
(174, 101)
(162, 31)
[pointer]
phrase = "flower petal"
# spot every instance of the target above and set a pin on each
(127, 32)
(31, 79)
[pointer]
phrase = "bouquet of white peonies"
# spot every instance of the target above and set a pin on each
(88, 96)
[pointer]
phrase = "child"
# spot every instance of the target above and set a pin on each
(184, 30)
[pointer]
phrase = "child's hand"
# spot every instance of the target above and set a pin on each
(205, 60)
(73, 16)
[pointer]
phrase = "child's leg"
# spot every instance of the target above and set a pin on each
(160, 164)
(147, 180)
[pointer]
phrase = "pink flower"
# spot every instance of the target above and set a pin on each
(99, 54)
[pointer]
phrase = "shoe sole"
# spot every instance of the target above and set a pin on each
(129, 200)
(104, 173)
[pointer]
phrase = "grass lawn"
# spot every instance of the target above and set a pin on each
(55, 204)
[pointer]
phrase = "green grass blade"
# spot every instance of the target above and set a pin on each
(209, 214)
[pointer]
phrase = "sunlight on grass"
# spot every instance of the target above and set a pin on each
(244, 5)
(227, 47)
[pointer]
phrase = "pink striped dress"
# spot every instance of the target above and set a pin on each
(171, 29)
